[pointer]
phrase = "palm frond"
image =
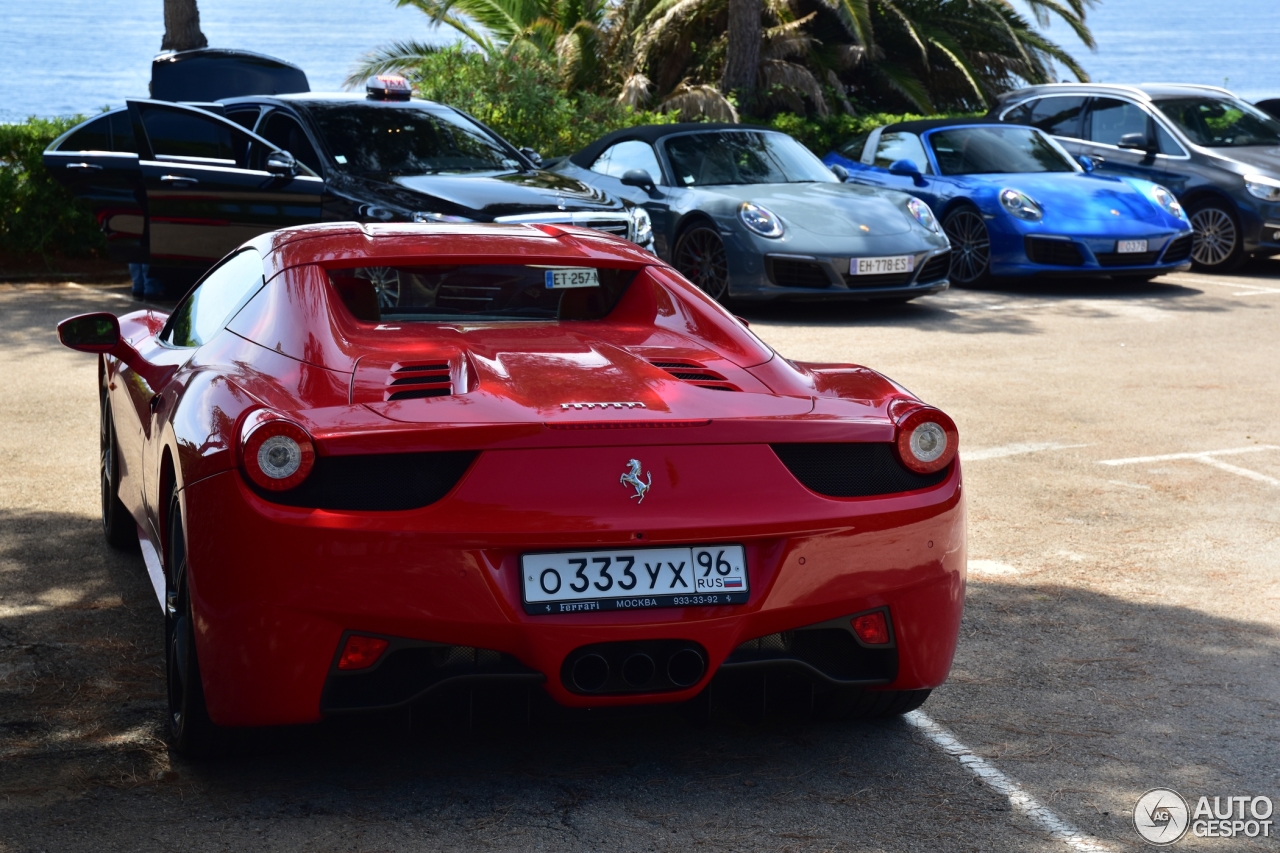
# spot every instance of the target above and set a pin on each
(635, 91)
(397, 57)
(699, 102)
(788, 77)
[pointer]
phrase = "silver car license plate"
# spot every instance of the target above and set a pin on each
(1130, 247)
(882, 266)
(633, 579)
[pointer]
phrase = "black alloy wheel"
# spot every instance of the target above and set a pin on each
(970, 246)
(1216, 245)
(117, 525)
(700, 257)
(190, 730)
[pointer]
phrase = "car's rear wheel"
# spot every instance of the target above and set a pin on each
(190, 730)
(386, 284)
(854, 703)
(117, 525)
(970, 246)
(700, 256)
(1217, 245)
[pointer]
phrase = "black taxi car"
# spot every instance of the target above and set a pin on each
(179, 185)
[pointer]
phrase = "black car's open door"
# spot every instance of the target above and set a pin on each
(207, 184)
(98, 162)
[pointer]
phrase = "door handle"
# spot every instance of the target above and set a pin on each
(177, 179)
(88, 167)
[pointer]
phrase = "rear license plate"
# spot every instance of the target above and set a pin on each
(882, 266)
(633, 579)
(1130, 247)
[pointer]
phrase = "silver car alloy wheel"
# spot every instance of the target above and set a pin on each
(970, 246)
(386, 284)
(1215, 236)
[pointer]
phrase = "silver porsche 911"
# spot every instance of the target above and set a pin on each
(749, 213)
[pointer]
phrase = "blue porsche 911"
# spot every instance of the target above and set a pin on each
(1014, 203)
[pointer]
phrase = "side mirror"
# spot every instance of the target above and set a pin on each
(98, 333)
(639, 178)
(908, 169)
(534, 157)
(1086, 163)
(1134, 142)
(282, 164)
(840, 171)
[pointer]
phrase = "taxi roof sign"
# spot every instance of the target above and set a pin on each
(388, 87)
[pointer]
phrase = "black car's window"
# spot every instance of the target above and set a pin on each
(743, 157)
(896, 146)
(619, 159)
(188, 136)
(208, 308)
(92, 136)
(246, 118)
(380, 139)
(283, 131)
(1221, 122)
(122, 138)
(854, 147)
(996, 150)
(478, 292)
(1110, 119)
(1057, 116)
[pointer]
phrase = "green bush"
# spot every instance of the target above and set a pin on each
(821, 135)
(521, 97)
(38, 216)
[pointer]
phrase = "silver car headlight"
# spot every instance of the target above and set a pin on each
(1021, 205)
(420, 216)
(1260, 186)
(923, 214)
(760, 220)
(641, 226)
(1167, 202)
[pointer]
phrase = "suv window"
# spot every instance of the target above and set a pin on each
(215, 301)
(619, 159)
(177, 133)
(1057, 116)
(283, 131)
(901, 146)
(1111, 118)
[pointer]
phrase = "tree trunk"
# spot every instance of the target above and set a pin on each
(182, 26)
(743, 55)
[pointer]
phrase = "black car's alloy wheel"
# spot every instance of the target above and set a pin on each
(1216, 246)
(117, 524)
(970, 246)
(386, 284)
(700, 257)
(190, 730)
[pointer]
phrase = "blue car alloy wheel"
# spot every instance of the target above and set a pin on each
(970, 246)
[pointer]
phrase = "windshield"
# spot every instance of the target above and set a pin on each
(376, 139)
(743, 157)
(1221, 122)
(996, 150)
(480, 292)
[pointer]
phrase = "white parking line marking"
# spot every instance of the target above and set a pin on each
(1236, 469)
(1250, 289)
(992, 567)
(1012, 450)
(1140, 460)
(155, 569)
(1042, 816)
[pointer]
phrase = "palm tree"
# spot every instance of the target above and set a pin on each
(182, 26)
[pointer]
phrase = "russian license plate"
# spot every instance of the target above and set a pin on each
(882, 266)
(563, 279)
(1130, 247)
(634, 579)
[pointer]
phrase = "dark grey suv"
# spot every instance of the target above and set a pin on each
(1219, 155)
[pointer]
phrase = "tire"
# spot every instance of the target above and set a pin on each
(970, 246)
(1217, 245)
(191, 732)
(118, 525)
(854, 703)
(700, 256)
(386, 284)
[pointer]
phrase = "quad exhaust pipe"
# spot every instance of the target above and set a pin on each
(634, 666)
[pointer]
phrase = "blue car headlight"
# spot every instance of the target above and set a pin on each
(1021, 205)
(923, 214)
(641, 226)
(1259, 186)
(760, 220)
(1167, 202)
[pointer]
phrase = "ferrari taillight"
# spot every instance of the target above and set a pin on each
(276, 454)
(927, 439)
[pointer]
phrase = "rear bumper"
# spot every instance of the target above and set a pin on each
(275, 588)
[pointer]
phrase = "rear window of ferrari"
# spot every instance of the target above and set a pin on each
(480, 292)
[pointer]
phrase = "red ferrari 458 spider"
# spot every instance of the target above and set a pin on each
(373, 464)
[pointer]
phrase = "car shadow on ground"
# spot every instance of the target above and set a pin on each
(1087, 698)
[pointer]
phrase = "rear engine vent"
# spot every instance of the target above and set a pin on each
(412, 381)
(853, 469)
(1178, 250)
(786, 272)
(935, 269)
(696, 374)
(376, 481)
(1056, 253)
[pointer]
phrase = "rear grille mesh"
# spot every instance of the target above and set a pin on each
(415, 381)
(853, 469)
(376, 482)
(935, 268)
(1178, 250)
(696, 374)
(1056, 253)
(785, 272)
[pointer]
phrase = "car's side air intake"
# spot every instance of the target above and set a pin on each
(852, 469)
(696, 374)
(377, 481)
(414, 381)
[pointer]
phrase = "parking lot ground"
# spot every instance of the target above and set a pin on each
(1122, 631)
